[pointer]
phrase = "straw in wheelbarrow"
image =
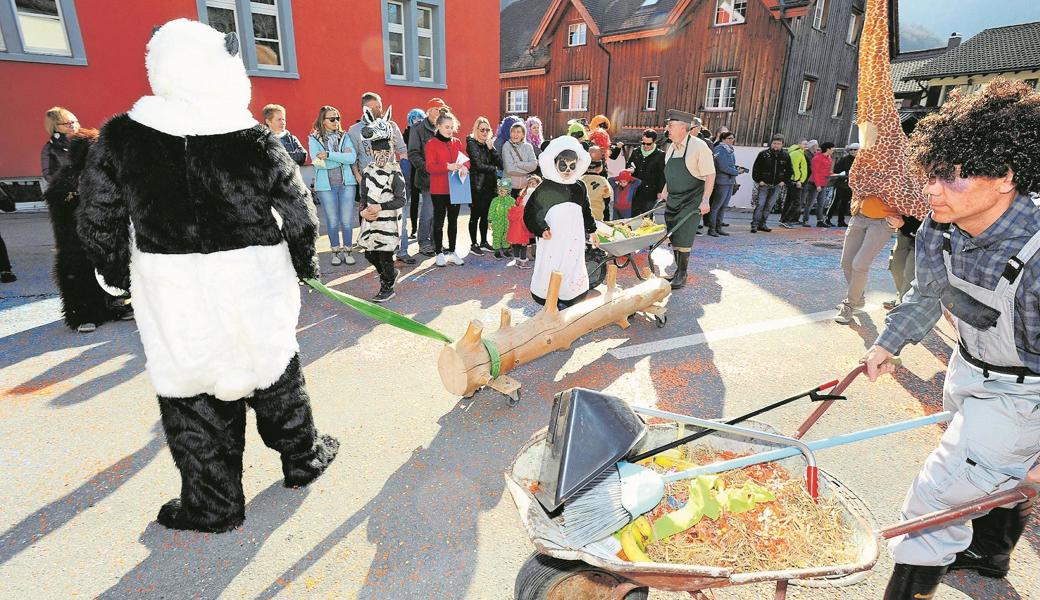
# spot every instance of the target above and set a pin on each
(624, 493)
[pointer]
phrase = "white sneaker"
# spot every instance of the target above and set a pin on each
(86, 328)
(336, 260)
(441, 261)
(454, 259)
(844, 315)
(349, 258)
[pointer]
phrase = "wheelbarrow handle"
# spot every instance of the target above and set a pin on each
(961, 511)
(838, 389)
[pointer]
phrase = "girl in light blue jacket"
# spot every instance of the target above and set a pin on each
(334, 181)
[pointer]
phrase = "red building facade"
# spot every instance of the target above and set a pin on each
(89, 57)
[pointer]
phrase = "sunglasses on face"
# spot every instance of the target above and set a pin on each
(67, 123)
(484, 130)
(333, 119)
(566, 165)
(648, 143)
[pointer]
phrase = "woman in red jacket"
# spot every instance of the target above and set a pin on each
(442, 153)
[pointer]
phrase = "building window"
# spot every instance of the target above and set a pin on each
(395, 39)
(722, 93)
(576, 34)
(819, 20)
(651, 94)
(730, 12)
(808, 91)
(852, 37)
(839, 103)
(413, 42)
(44, 31)
(574, 97)
(264, 28)
(516, 101)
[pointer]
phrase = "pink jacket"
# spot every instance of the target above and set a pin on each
(821, 169)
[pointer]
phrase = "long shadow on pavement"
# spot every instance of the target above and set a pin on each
(190, 564)
(55, 515)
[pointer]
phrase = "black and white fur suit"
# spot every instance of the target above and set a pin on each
(203, 214)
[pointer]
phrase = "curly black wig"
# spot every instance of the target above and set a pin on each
(985, 133)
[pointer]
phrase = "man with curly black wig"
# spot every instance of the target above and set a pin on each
(976, 256)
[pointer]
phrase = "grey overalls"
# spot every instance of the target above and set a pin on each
(994, 437)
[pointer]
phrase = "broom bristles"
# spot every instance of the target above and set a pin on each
(595, 511)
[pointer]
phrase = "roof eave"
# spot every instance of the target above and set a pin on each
(913, 77)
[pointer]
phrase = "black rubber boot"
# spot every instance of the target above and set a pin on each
(913, 582)
(994, 536)
(284, 421)
(682, 261)
(206, 437)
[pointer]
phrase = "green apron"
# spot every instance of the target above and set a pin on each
(682, 212)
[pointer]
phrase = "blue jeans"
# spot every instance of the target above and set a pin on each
(812, 195)
(425, 231)
(766, 196)
(719, 202)
(338, 204)
(403, 249)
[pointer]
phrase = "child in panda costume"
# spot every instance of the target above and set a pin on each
(203, 214)
(557, 213)
(382, 197)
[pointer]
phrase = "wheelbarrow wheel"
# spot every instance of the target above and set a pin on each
(546, 578)
(596, 264)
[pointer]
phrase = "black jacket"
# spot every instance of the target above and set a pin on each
(484, 164)
(294, 148)
(772, 167)
(53, 156)
(194, 194)
(417, 138)
(649, 170)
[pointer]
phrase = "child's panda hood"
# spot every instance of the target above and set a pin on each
(547, 160)
(199, 81)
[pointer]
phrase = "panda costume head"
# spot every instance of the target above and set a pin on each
(198, 79)
(564, 160)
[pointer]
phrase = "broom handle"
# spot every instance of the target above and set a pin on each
(782, 453)
(705, 432)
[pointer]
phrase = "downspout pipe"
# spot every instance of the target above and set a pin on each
(606, 90)
(783, 78)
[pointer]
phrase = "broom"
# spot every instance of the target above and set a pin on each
(624, 492)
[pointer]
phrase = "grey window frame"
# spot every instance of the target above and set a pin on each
(15, 49)
(244, 23)
(411, 37)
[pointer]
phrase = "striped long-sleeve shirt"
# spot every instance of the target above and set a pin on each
(979, 260)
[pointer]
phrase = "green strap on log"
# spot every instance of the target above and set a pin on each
(496, 358)
(374, 311)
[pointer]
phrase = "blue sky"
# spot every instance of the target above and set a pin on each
(928, 23)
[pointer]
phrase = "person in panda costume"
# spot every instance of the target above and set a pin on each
(198, 209)
(558, 215)
(382, 197)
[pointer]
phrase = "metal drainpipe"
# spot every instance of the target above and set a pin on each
(783, 77)
(606, 91)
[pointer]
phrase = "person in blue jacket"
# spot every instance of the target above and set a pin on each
(334, 181)
(726, 170)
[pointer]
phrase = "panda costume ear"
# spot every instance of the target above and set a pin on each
(231, 43)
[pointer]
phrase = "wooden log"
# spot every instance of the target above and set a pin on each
(465, 366)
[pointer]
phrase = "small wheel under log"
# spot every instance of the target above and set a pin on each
(546, 578)
(661, 320)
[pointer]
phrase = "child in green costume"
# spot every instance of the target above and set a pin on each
(498, 216)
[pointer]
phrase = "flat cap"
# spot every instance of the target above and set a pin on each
(678, 115)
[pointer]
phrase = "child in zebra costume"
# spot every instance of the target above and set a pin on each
(498, 216)
(382, 196)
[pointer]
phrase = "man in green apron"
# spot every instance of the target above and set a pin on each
(689, 174)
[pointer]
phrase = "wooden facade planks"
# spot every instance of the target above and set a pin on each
(823, 55)
(683, 59)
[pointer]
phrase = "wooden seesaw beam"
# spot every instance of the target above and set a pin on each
(465, 366)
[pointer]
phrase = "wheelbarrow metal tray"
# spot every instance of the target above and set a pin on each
(548, 538)
(632, 244)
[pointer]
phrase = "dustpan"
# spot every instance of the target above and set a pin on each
(588, 432)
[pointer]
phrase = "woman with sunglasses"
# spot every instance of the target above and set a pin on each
(484, 165)
(647, 165)
(60, 124)
(334, 181)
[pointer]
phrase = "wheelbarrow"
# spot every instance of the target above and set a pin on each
(622, 252)
(557, 571)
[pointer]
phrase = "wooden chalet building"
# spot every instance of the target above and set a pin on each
(755, 66)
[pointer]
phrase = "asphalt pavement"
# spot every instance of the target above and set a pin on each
(415, 506)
